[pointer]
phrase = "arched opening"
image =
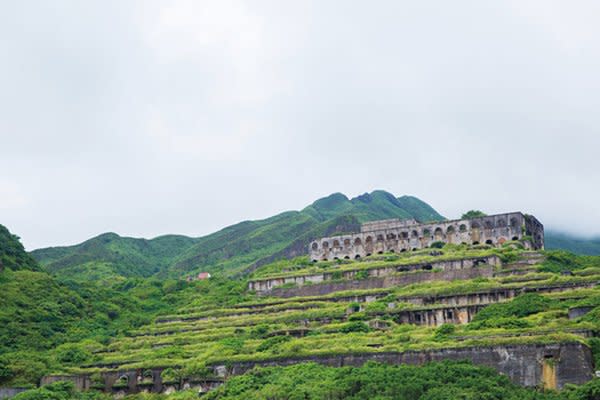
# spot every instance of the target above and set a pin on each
(336, 258)
(357, 242)
(475, 225)
(368, 254)
(475, 243)
(450, 230)
(414, 249)
(380, 238)
(336, 243)
(392, 251)
(325, 245)
(438, 234)
(315, 260)
(369, 239)
(415, 234)
(404, 235)
(402, 251)
(501, 223)
(315, 246)
(347, 257)
(391, 236)
(426, 232)
(514, 222)
(346, 242)
(462, 228)
(488, 224)
(356, 257)
(515, 238)
(380, 252)
(489, 241)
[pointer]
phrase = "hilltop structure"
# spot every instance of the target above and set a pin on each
(395, 235)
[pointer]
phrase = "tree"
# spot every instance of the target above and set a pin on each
(473, 214)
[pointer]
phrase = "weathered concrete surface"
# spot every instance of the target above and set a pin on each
(397, 236)
(266, 284)
(576, 312)
(7, 393)
(81, 382)
(523, 364)
(384, 282)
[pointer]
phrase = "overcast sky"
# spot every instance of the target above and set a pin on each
(153, 117)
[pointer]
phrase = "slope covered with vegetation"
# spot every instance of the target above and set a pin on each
(231, 250)
(12, 254)
(188, 328)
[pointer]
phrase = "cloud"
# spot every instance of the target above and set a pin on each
(156, 117)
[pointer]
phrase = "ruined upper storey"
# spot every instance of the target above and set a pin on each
(394, 235)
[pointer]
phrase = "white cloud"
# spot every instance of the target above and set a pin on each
(151, 117)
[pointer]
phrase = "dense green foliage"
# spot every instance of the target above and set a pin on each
(121, 301)
(12, 254)
(473, 214)
(232, 249)
(434, 381)
(507, 315)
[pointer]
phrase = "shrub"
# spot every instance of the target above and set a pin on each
(360, 275)
(443, 331)
(499, 314)
(271, 342)
(355, 326)
(437, 245)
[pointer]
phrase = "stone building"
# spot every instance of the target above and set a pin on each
(394, 235)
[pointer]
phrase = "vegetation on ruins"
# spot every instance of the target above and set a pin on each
(434, 381)
(119, 303)
(473, 214)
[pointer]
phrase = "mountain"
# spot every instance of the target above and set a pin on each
(12, 253)
(576, 244)
(109, 255)
(235, 249)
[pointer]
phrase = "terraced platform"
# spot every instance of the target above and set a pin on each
(395, 308)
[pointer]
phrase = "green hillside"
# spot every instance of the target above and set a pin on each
(575, 244)
(12, 253)
(237, 248)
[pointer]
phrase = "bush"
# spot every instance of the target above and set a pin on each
(443, 331)
(355, 326)
(521, 306)
(54, 391)
(360, 275)
(437, 245)
(271, 342)
(72, 354)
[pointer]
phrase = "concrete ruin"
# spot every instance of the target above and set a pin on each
(394, 235)
(535, 365)
(404, 273)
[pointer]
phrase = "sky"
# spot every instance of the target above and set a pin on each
(153, 117)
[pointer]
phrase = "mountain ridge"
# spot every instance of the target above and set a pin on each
(235, 248)
(242, 247)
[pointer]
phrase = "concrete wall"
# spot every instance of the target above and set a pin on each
(81, 382)
(384, 282)
(392, 236)
(7, 393)
(264, 285)
(523, 364)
